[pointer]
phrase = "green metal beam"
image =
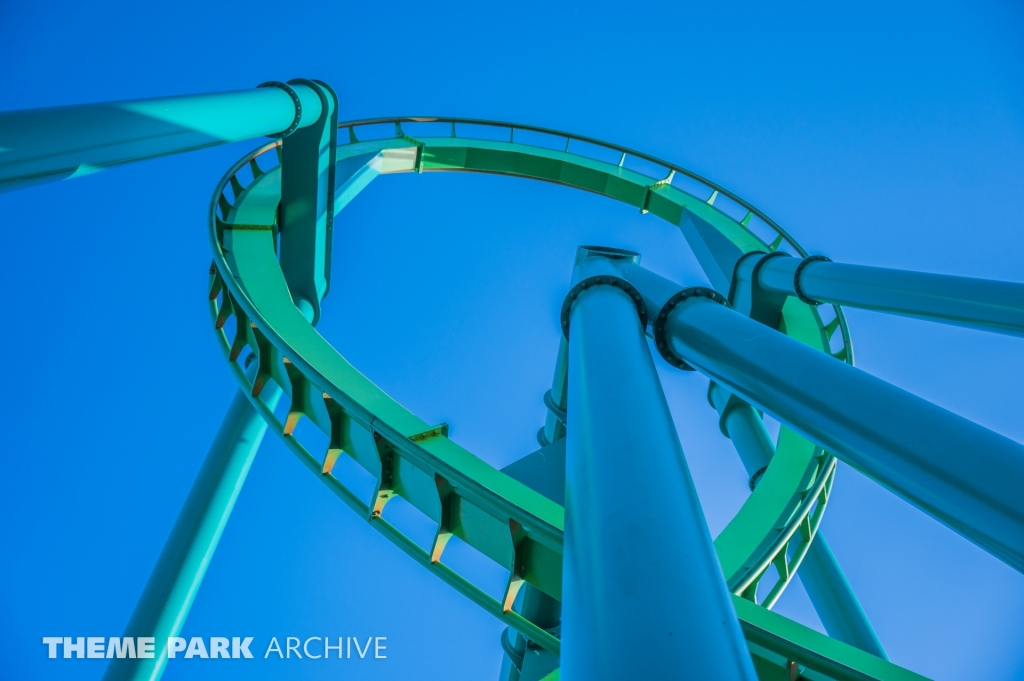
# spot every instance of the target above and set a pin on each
(467, 498)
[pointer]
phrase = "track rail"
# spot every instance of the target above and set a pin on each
(506, 521)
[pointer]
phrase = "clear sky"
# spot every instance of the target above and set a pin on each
(889, 134)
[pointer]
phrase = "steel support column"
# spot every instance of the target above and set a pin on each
(554, 399)
(307, 204)
(45, 145)
(525, 660)
(962, 474)
(178, 574)
(542, 471)
(643, 594)
(833, 598)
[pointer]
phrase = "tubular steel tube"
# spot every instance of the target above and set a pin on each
(830, 593)
(962, 474)
(962, 301)
(523, 662)
(179, 571)
(46, 145)
(554, 423)
(643, 594)
(834, 600)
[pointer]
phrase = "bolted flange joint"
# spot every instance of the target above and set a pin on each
(298, 106)
(660, 341)
(756, 477)
(796, 277)
(602, 280)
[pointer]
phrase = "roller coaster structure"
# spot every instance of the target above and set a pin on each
(586, 562)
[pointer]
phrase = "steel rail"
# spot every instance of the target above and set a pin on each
(462, 585)
(672, 168)
(776, 554)
(754, 569)
(230, 298)
(467, 486)
(779, 550)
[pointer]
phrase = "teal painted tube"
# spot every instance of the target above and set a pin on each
(178, 574)
(826, 585)
(643, 593)
(960, 473)
(834, 600)
(554, 422)
(46, 145)
(961, 301)
(306, 211)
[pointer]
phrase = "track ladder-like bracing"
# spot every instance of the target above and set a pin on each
(271, 268)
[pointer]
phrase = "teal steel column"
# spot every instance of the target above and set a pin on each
(46, 145)
(175, 580)
(554, 399)
(543, 471)
(306, 211)
(962, 301)
(524, 660)
(643, 593)
(962, 474)
(833, 598)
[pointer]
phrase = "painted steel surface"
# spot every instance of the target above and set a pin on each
(555, 399)
(504, 519)
(628, 488)
(966, 476)
(307, 203)
(179, 571)
(961, 301)
(253, 304)
(831, 595)
(46, 145)
(769, 509)
(834, 601)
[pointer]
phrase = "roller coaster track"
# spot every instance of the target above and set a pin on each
(255, 319)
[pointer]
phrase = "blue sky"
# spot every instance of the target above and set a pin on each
(889, 134)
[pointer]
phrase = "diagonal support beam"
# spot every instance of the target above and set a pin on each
(179, 571)
(833, 598)
(984, 304)
(966, 476)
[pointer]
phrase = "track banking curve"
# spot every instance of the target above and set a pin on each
(254, 316)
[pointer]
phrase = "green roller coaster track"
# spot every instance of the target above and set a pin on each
(254, 316)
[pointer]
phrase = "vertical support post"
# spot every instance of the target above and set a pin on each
(542, 471)
(525, 660)
(823, 579)
(179, 571)
(554, 399)
(643, 594)
(307, 203)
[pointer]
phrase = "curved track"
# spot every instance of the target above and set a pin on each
(518, 528)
